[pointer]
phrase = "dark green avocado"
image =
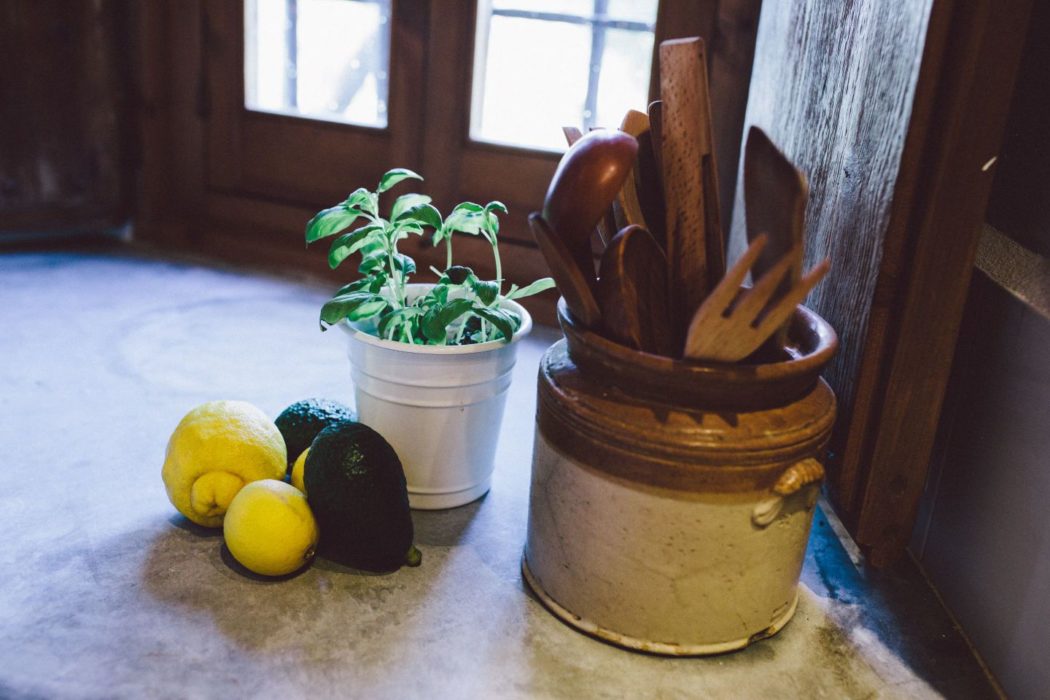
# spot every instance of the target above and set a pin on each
(303, 420)
(356, 489)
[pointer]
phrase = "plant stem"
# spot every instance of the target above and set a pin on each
(448, 250)
(499, 268)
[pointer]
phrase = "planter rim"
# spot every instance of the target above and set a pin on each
(398, 346)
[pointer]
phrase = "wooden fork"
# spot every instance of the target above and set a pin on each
(732, 323)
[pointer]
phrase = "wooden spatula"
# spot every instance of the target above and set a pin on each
(571, 283)
(732, 322)
(695, 246)
(775, 195)
(649, 177)
(632, 293)
(634, 123)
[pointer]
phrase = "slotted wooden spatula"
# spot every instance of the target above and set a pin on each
(695, 247)
(732, 322)
(632, 292)
(775, 195)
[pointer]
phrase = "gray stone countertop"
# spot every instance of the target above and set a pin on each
(106, 592)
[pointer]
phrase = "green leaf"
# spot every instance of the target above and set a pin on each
(504, 321)
(355, 286)
(392, 177)
(468, 207)
(437, 296)
(330, 221)
(339, 307)
(396, 316)
(496, 206)
(404, 228)
(435, 321)
(361, 199)
(540, 285)
(425, 213)
(464, 221)
(378, 279)
(349, 243)
(406, 202)
(375, 260)
(486, 291)
(367, 309)
(404, 263)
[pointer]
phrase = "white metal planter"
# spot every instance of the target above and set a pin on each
(439, 406)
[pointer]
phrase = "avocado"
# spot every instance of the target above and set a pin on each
(357, 491)
(303, 420)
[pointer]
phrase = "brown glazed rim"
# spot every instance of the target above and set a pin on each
(617, 435)
(705, 385)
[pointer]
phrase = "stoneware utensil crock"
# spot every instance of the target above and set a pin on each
(671, 501)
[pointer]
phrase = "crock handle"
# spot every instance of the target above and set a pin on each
(798, 475)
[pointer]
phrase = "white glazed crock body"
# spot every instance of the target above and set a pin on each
(439, 406)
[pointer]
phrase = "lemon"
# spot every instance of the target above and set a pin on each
(297, 471)
(270, 528)
(217, 448)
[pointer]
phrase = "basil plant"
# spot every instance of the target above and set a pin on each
(460, 309)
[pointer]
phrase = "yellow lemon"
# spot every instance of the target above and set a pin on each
(270, 528)
(297, 471)
(217, 448)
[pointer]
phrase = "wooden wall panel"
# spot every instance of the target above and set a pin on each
(895, 110)
(833, 85)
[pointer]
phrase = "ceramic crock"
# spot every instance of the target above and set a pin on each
(670, 501)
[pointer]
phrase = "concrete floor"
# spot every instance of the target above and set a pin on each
(106, 592)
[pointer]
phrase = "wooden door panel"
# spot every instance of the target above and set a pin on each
(300, 159)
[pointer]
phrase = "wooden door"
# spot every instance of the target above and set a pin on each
(230, 181)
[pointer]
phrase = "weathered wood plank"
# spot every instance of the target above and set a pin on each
(891, 109)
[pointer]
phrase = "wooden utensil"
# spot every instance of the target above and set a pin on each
(634, 123)
(695, 247)
(632, 293)
(571, 283)
(775, 195)
(656, 131)
(572, 134)
(649, 177)
(732, 323)
(606, 224)
(584, 185)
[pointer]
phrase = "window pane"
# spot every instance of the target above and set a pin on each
(322, 59)
(543, 64)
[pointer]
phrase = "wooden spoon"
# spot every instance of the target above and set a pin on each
(632, 293)
(571, 283)
(695, 246)
(585, 184)
(775, 195)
